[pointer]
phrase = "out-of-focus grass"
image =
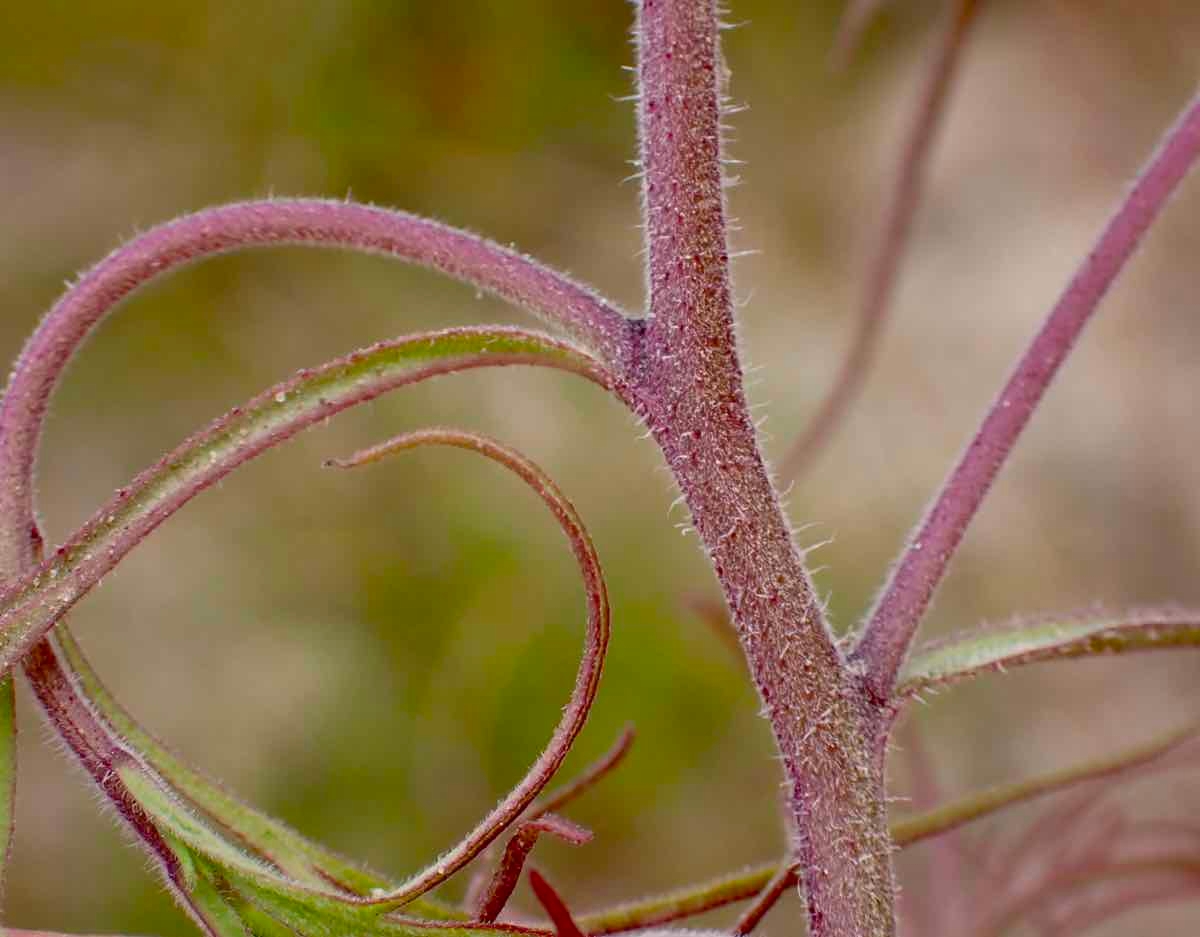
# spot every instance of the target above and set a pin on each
(375, 657)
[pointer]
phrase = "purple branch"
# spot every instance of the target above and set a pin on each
(786, 878)
(893, 622)
(100, 755)
(592, 775)
(504, 272)
(883, 271)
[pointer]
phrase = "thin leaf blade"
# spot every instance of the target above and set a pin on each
(32, 605)
(1023, 643)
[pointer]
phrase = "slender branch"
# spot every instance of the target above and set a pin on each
(682, 903)
(892, 243)
(787, 877)
(893, 622)
(696, 899)
(488, 266)
(590, 776)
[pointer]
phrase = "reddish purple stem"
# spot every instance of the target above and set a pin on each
(486, 265)
(101, 756)
(893, 622)
(687, 384)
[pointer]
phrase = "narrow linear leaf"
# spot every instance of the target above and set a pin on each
(272, 417)
(293, 854)
(202, 898)
(517, 851)
(587, 679)
(592, 775)
(1027, 642)
(223, 878)
(302, 906)
(680, 903)
(36, 602)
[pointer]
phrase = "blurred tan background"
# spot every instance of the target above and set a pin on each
(376, 656)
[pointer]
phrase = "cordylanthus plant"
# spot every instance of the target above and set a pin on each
(832, 705)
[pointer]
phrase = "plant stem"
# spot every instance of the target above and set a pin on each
(686, 382)
(893, 622)
(316, 222)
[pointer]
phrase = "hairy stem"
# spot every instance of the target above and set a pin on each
(90, 742)
(883, 271)
(186, 240)
(506, 273)
(893, 622)
(686, 382)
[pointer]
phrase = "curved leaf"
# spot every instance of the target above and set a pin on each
(31, 606)
(42, 598)
(587, 680)
(316, 222)
(232, 884)
(197, 858)
(259, 834)
(1025, 642)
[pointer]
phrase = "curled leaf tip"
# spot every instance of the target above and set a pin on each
(587, 679)
(508, 873)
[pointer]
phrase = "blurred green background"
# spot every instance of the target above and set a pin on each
(376, 656)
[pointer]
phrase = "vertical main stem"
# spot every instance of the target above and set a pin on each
(687, 384)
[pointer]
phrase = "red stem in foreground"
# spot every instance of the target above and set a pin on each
(892, 624)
